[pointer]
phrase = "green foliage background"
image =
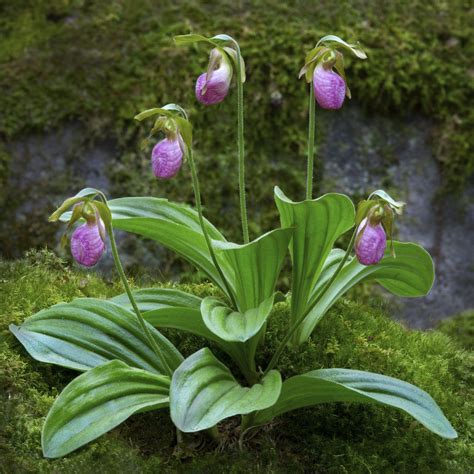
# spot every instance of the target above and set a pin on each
(98, 63)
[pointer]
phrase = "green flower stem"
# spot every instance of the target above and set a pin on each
(240, 141)
(118, 266)
(293, 329)
(197, 197)
(311, 126)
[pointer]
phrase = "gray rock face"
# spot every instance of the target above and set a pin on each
(44, 169)
(361, 153)
(358, 154)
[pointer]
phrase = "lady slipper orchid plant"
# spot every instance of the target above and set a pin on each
(128, 366)
(212, 87)
(327, 86)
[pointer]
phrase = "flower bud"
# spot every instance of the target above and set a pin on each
(213, 86)
(329, 88)
(166, 158)
(370, 243)
(87, 243)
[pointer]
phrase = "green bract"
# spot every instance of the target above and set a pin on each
(130, 367)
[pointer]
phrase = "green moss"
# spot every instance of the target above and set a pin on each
(101, 62)
(460, 328)
(329, 438)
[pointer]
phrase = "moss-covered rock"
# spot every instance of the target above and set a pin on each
(98, 63)
(329, 438)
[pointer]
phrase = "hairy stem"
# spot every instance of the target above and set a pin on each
(311, 126)
(197, 198)
(142, 322)
(326, 287)
(240, 141)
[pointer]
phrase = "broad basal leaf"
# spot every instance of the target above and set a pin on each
(160, 299)
(344, 385)
(88, 332)
(254, 267)
(174, 309)
(204, 392)
(97, 401)
(317, 225)
(232, 325)
(173, 225)
(409, 274)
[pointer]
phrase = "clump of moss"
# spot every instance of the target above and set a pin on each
(336, 438)
(460, 328)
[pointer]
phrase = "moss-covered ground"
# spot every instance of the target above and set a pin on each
(99, 63)
(338, 438)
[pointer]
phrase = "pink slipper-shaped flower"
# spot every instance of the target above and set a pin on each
(87, 243)
(329, 88)
(212, 86)
(166, 158)
(370, 244)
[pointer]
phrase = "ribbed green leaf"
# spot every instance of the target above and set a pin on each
(204, 392)
(159, 299)
(317, 225)
(174, 309)
(344, 385)
(231, 325)
(97, 401)
(175, 226)
(88, 332)
(254, 267)
(409, 274)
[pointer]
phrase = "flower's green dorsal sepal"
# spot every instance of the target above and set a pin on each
(363, 207)
(97, 401)
(88, 332)
(326, 50)
(396, 206)
(153, 113)
(317, 225)
(410, 274)
(232, 325)
(254, 267)
(203, 392)
(311, 60)
(171, 118)
(344, 385)
(353, 48)
(85, 195)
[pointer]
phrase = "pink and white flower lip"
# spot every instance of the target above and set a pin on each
(87, 243)
(212, 86)
(329, 88)
(371, 244)
(166, 158)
